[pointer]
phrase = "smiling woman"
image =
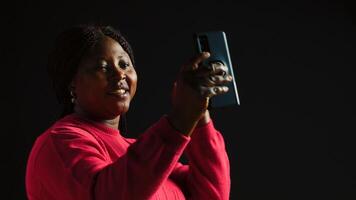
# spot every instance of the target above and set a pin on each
(105, 82)
(83, 155)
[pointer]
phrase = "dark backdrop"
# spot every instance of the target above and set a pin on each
(292, 136)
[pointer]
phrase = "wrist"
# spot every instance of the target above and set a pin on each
(182, 123)
(205, 119)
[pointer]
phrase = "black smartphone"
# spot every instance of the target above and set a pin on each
(215, 43)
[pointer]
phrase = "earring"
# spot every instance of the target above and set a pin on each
(72, 95)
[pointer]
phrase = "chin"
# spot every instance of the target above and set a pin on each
(121, 108)
(116, 108)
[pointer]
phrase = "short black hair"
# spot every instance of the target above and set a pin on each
(69, 49)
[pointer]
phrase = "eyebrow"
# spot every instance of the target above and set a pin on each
(120, 56)
(101, 58)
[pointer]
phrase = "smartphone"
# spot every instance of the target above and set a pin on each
(215, 43)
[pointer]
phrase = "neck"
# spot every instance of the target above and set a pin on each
(112, 123)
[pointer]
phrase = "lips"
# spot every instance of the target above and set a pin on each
(121, 90)
(118, 92)
(121, 94)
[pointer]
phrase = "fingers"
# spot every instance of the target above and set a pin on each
(214, 74)
(220, 80)
(210, 81)
(219, 68)
(207, 80)
(193, 64)
(212, 91)
(214, 68)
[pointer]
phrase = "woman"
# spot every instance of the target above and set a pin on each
(83, 156)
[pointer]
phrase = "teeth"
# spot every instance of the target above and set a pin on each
(121, 91)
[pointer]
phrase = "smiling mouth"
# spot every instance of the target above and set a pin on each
(119, 93)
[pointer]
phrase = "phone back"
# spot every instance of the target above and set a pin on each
(215, 43)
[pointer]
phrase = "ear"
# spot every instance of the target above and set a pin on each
(72, 84)
(174, 91)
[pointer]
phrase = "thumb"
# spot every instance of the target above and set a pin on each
(194, 62)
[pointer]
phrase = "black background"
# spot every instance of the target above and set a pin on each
(291, 138)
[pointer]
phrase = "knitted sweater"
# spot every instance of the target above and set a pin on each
(77, 159)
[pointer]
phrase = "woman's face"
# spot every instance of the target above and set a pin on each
(106, 81)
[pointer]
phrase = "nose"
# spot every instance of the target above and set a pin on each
(119, 73)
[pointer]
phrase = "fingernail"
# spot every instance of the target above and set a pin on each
(226, 88)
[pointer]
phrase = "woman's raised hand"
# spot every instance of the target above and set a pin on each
(195, 84)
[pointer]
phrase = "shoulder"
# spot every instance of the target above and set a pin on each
(65, 131)
(69, 139)
(72, 126)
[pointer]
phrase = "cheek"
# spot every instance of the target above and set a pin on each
(90, 88)
(133, 84)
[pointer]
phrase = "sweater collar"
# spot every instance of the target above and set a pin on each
(103, 128)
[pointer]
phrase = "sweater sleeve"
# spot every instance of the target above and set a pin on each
(136, 175)
(207, 175)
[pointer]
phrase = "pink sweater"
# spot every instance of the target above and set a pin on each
(77, 159)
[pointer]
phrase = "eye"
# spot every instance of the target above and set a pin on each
(104, 67)
(124, 64)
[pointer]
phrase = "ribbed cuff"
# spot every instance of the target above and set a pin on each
(170, 135)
